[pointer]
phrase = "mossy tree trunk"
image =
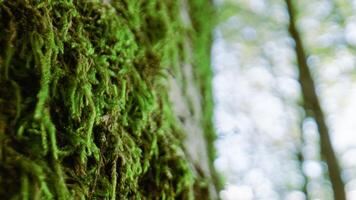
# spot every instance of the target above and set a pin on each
(84, 103)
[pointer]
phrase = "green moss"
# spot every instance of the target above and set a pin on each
(200, 10)
(84, 107)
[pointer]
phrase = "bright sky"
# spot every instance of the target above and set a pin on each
(256, 96)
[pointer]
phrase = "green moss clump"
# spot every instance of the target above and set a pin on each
(84, 111)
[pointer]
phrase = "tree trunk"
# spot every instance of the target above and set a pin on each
(312, 105)
(85, 105)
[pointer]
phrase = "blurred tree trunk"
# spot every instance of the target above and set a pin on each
(312, 105)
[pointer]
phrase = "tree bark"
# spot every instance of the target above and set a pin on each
(312, 105)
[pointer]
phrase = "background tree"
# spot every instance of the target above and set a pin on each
(312, 105)
(259, 128)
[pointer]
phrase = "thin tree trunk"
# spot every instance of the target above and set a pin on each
(312, 105)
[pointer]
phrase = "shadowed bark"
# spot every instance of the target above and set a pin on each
(312, 105)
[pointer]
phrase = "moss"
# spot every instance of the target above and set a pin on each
(84, 107)
(200, 10)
